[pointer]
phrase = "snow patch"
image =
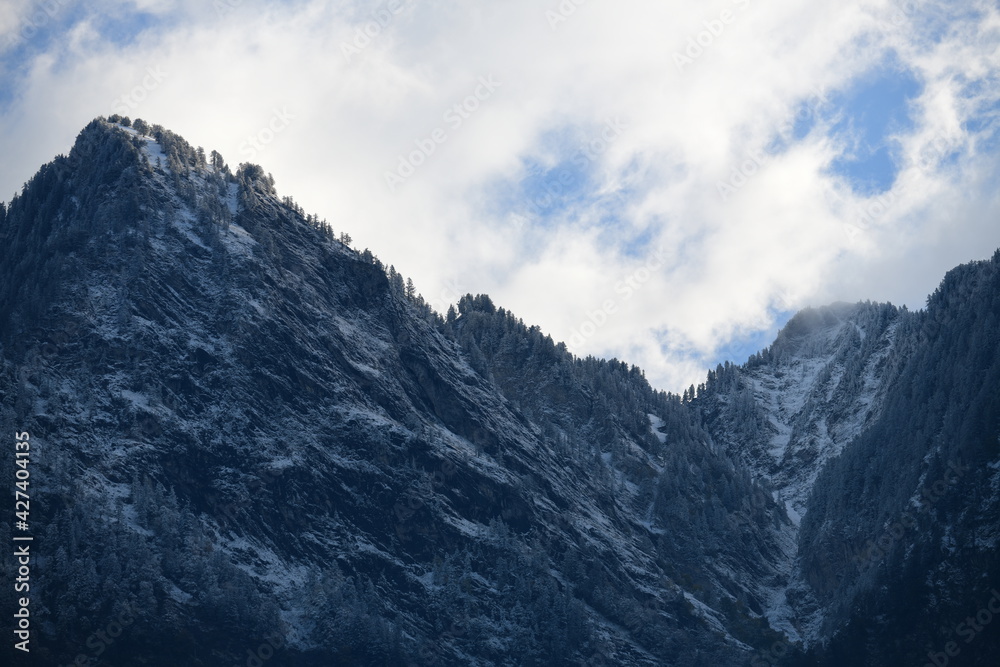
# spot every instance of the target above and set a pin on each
(154, 154)
(655, 424)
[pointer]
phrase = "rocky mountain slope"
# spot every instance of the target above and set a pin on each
(879, 428)
(252, 443)
(793, 408)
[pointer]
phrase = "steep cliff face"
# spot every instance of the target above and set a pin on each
(878, 428)
(794, 406)
(907, 517)
(251, 444)
(247, 435)
(790, 411)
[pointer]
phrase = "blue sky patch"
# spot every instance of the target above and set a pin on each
(806, 114)
(547, 192)
(641, 244)
(986, 127)
(740, 348)
(38, 32)
(124, 30)
(865, 117)
(44, 31)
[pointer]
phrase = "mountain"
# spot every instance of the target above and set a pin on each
(251, 443)
(879, 429)
(792, 408)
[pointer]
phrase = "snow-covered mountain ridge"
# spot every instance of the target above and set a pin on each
(254, 434)
(797, 404)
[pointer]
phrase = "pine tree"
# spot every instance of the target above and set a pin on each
(218, 164)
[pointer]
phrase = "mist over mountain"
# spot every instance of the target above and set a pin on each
(253, 444)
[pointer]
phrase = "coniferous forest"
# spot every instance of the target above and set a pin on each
(252, 443)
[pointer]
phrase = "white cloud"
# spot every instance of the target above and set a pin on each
(12, 15)
(777, 242)
(26, 17)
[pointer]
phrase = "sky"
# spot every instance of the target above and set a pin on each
(663, 182)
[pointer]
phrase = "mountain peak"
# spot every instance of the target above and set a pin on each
(248, 432)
